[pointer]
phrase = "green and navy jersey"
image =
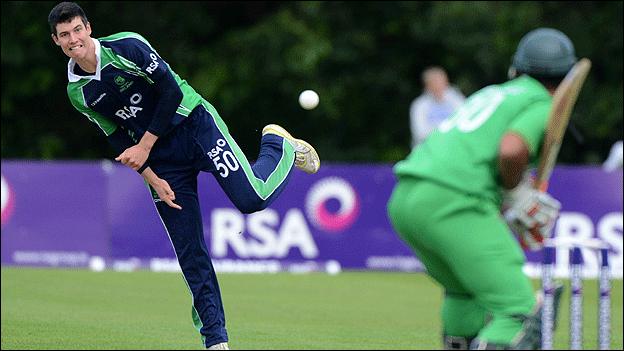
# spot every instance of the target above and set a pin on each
(463, 152)
(122, 92)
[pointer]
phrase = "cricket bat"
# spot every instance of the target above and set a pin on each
(563, 102)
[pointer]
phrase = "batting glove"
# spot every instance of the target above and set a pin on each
(531, 214)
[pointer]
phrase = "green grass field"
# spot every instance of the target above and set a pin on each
(79, 309)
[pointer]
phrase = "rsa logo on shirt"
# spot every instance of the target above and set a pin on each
(153, 65)
(127, 112)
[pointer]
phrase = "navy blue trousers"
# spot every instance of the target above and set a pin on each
(203, 143)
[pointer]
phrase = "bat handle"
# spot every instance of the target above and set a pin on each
(541, 185)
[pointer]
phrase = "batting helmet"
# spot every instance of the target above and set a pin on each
(544, 52)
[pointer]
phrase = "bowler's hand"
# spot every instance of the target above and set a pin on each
(164, 192)
(134, 156)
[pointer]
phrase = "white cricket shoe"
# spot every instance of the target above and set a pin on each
(306, 158)
(220, 346)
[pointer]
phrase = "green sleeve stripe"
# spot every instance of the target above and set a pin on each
(131, 68)
(108, 130)
(263, 189)
(77, 99)
(183, 110)
(190, 99)
(123, 64)
(125, 35)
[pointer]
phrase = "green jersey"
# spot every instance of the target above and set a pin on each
(463, 152)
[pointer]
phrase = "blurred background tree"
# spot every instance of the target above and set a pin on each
(252, 59)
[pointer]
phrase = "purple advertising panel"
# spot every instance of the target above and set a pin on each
(54, 213)
(100, 214)
(136, 230)
(336, 215)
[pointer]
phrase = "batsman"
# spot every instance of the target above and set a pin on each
(463, 195)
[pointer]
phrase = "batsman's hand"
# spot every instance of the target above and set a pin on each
(164, 192)
(531, 214)
(134, 156)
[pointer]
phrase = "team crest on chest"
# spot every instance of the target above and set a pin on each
(122, 83)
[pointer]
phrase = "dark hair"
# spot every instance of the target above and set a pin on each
(65, 12)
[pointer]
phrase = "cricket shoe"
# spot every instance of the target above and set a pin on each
(219, 346)
(306, 158)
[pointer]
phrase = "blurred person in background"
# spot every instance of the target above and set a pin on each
(438, 102)
(163, 129)
(451, 189)
(614, 160)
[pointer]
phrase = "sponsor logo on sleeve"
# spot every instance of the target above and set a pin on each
(153, 65)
